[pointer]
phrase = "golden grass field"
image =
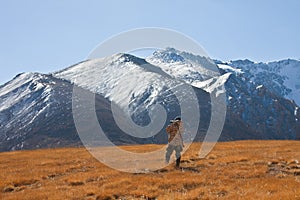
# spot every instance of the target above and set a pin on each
(233, 170)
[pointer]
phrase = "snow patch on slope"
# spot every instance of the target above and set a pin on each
(215, 84)
(230, 68)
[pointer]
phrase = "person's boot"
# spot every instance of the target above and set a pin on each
(178, 162)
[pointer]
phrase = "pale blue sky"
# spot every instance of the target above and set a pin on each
(45, 35)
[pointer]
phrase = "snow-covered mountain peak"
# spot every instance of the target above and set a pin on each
(123, 58)
(22, 79)
(184, 66)
(118, 78)
(23, 86)
(125, 68)
(169, 55)
(174, 56)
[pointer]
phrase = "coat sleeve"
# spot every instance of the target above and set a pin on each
(168, 129)
(181, 130)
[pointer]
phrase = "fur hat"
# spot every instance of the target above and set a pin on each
(178, 118)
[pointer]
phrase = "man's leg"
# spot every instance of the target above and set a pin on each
(178, 155)
(169, 151)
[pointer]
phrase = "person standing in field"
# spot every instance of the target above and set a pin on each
(175, 141)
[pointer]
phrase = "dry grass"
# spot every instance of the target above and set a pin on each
(233, 170)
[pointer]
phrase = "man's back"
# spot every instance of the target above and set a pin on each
(174, 133)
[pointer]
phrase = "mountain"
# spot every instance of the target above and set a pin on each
(262, 99)
(277, 117)
(35, 112)
(265, 96)
(281, 78)
(193, 69)
(141, 90)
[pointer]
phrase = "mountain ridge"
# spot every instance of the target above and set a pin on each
(45, 100)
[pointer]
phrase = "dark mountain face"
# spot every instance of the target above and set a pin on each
(265, 114)
(40, 115)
